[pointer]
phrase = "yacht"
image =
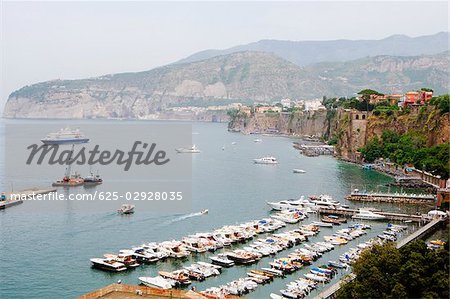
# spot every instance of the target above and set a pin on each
(192, 150)
(65, 136)
(156, 282)
(266, 160)
(290, 204)
(368, 215)
(108, 264)
(325, 201)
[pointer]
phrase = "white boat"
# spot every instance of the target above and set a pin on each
(205, 211)
(322, 224)
(126, 209)
(108, 264)
(156, 282)
(222, 260)
(368, 215)
(296, 170)
(65, 136)
(266, 160)
(192, 150)
(324, 201)
(290, 204)
(257, 140)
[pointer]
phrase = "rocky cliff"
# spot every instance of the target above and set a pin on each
(353, 129)
(297, 123)
(238, 77)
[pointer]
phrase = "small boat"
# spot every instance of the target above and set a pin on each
(222, 260)
(337, 264)
(368, 215)
(192, 150)
(126, 209)
(180, 276)
(327, 219)
(322, 224)
(266, 160)
(156, 282)
(65, 136)
(108, 264)
(205, 211)
(315, 277)
(93, 179)
(295, 170)
(257, 140)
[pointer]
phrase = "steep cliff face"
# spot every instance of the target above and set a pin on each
(353, 129)
(298, 123)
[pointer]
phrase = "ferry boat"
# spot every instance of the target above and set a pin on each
(65, 136)
(368, 215)
(266, 160)
(192, 150)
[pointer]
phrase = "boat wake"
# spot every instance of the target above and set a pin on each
(185, 216)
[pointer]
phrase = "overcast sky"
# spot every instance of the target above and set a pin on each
(48, 40)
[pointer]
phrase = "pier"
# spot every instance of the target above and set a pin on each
(388, 215)
(314, 150)
(330, 292)
(10, 202)
(391, 197)
(124, 291)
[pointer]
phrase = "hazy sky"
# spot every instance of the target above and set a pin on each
(48, 40)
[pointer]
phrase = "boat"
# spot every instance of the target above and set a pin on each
(295, 170)
(337, 264)
(290, 204)
(156, 282)
(315, 277)
(322, 224)
(324, 201)
(65, 136)
(180, 276)
(205, 211)
(222, 260)
(126, 209)
(108, 264)
(69, 181)
(327, 219)
(368, 215)
(126, 258)
(192, 150)
(266, 160)
(257, 140)
(93, 179)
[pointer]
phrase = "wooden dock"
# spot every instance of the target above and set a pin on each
(391, 197)
(10, 201)
(390, 216)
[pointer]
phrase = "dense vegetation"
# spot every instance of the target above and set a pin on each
(409, 148)
(411, 272)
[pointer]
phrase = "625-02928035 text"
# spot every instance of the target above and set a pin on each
(103, 196)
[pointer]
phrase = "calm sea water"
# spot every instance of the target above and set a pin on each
(46, 255)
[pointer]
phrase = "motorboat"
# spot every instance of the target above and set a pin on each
(315, 277)
(266, 160)
(126, 209)
(125, 258)
(156, 282)
(222, 260)
(65, 136)
(108, 264)
(203, 212)
(257, 140)
(324, 201)
(191, 150)
(296, 170)
(322, 224)
(93, 179)
(290, 204)
(368, 215)
(176, 249)
(179, 276)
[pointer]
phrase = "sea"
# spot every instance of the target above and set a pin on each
(46, 255)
